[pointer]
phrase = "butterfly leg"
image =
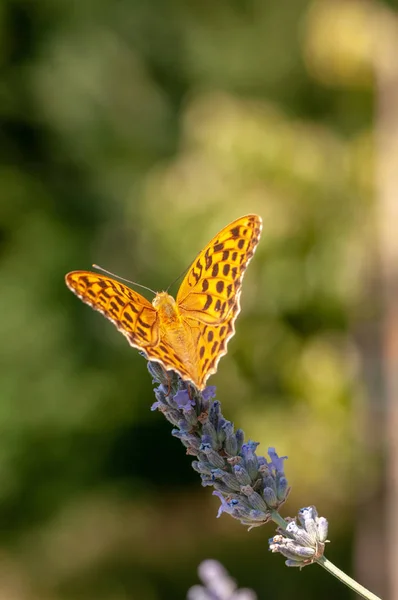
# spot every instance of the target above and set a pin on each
(167, 376)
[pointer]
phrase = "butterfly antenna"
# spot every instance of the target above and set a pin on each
(123, 279)
(177, 278)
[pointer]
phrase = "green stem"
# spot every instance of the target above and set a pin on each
(326, 564)
(351, 583)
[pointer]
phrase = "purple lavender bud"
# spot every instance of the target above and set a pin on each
(206, 480)
(250, 459)
(308, 513)
(257, 517)
(186, 436)
(290, 549)
(214, 458)
(242, 475)
(300, 535)
(206, 443)
(220, 487)
(253, 445)
(226, 427)
(183, 424)
(160, 399)
(227, 478)
(240, 438)
(242, 511)
(276, 461)
(307, 517)
(200, 467)
(314, 525)
(231, 445)
(293, 563)
(270, 497)
(191, 417)
(160, 394)
(283, 489)
(269, 482)
(158, 374)
(323, 526)
(311, 529)
(254, 498)
(215, 413)
(208, 431)
(184, 439)
(221, 430)
(173, 416)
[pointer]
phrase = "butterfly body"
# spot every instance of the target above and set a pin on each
(188, 334)
(176, 332)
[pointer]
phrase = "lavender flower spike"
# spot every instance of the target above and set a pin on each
(218, 585)
(250, 487)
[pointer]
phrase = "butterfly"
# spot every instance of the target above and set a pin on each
(188, 334)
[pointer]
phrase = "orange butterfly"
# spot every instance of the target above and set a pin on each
(188, 335)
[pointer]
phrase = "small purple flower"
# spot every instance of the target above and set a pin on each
(183, 401)
(224, 506)
(277, 461)
(209, 392)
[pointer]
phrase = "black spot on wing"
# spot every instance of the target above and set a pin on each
(209, 300)
(225, 269)
(208, 258)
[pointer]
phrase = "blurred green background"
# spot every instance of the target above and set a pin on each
(131, 132)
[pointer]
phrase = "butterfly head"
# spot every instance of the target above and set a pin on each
(166, 307)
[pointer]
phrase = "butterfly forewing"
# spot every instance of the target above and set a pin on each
(132, 314)
(209, 296)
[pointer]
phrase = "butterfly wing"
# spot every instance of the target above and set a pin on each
(209, 296)
(132, 314)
